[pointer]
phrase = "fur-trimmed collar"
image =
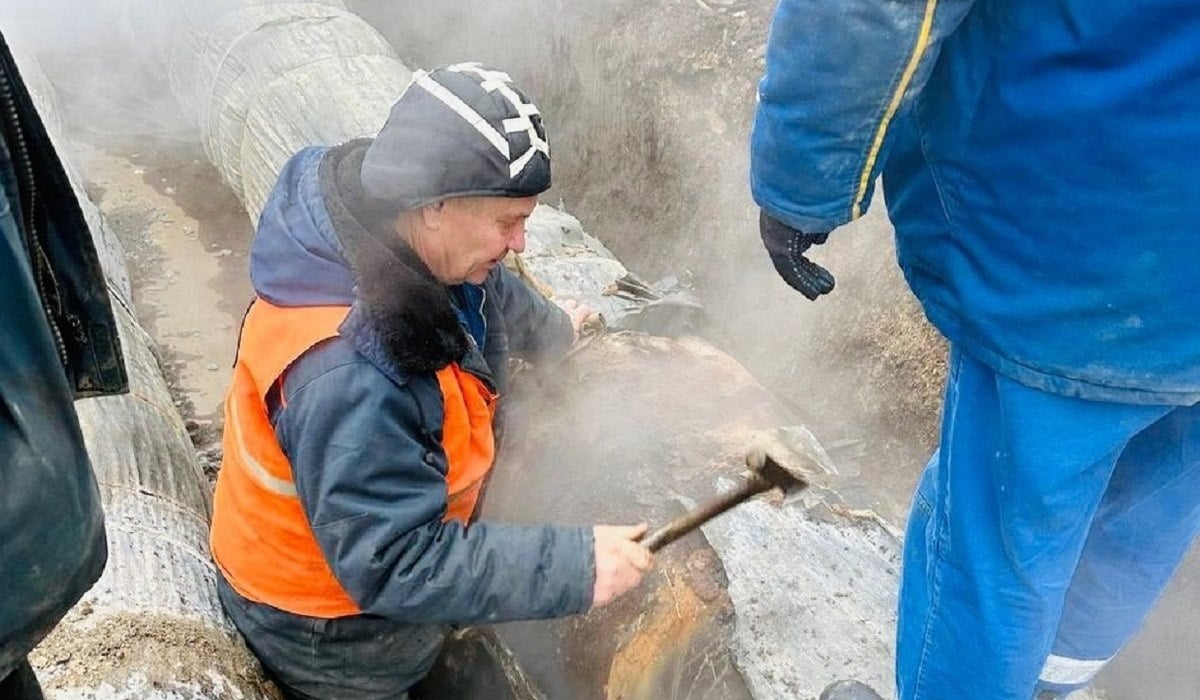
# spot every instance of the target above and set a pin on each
(400, 300)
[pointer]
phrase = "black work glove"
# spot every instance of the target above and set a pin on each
(787, 246)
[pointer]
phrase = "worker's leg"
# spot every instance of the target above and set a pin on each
(21, 684)
(997, 527)
(1148, 518)
(349, 658)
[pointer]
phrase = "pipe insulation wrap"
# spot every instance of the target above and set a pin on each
(263, 80)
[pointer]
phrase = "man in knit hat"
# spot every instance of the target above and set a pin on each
(359, 423)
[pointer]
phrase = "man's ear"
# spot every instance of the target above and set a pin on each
(432, 214)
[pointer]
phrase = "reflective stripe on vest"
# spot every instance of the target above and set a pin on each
(260, 536)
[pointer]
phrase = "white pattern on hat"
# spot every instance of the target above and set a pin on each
(499, 81)
(463, 110)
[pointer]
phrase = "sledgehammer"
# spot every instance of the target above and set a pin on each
(765, 474)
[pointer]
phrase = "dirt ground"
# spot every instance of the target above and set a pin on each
(165, 649)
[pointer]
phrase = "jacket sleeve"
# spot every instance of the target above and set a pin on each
(537, 328)
(836, 74)
(371, 479)
(62, 252)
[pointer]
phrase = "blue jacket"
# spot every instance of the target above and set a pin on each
(360, 419)
(1039, 160)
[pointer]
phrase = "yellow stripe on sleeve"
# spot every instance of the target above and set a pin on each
(905, 79)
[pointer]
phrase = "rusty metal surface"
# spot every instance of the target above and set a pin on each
(773, 601)
(667, 640)
(621, 433)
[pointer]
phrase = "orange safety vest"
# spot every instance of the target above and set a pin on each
(260, 538)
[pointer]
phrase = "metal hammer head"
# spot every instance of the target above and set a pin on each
(787, 479)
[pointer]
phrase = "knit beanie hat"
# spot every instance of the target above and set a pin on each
(459, 131)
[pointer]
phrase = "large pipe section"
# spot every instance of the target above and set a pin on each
(264, 79)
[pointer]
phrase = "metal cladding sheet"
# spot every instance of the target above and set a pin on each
(340, 98)
(252, 48)
(568, 263)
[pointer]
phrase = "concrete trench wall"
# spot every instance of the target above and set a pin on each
(263, 79)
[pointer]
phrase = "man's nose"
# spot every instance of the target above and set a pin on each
(516, 242)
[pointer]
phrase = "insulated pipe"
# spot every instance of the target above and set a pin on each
(264, 79)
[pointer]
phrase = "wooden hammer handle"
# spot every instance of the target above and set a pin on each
(693, 519)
